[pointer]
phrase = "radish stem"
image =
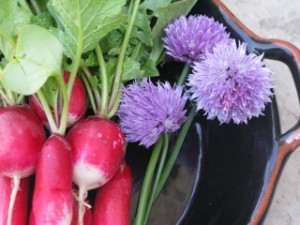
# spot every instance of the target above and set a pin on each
(77, 58)
(115, 106)
(51, 121)
(89, 92)
(35, 6)
(13, 195)
(64, 114)
(104, 82)
(118, 75)
(8, 38)
(25, 6)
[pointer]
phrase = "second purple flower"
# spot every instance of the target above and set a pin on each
(230, 84)
(147, 111)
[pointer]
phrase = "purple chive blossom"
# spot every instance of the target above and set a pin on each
(147, 111)
(187, 39)
(229, 84)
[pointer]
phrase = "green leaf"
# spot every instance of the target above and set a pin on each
(164, 16)
(12, 18)
(131, 70)
(51, 91)
(155, 4)
(34, 61)
(89, 60)
(143, 23)
(43, 19)
(84, 23)
(112, 40)
(150, 68)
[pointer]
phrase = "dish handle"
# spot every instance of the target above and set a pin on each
(289, 54)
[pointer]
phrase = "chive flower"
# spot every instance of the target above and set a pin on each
(188, 38)
(147, 110)
(230, 84)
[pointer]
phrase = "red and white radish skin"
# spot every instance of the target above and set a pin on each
(113, 200)
(97, 151)
(21, 136)
(36, 106)
(77, 102)
(52, 202)
(20, 207)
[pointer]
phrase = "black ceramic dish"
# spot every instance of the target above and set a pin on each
(225, 174)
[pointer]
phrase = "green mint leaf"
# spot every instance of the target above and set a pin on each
(84, 23)
(34, 61)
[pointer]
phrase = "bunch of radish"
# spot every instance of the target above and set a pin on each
(66, 165)
(53, 152)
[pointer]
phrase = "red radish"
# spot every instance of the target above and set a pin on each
(21, 137)
(113, 200)
(77, 102)
(52, 198)
(37, 108)
(97, 150)
(20, 208)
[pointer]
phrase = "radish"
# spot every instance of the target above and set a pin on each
(113, 200)
(20, 208)
(97, 150)
(77, 102)
(36, 106)
(21, 137)
(52, 198)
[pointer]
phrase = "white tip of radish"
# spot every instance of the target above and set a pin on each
(72, 118)
(88, 176)
(57, 216)
(67, 218)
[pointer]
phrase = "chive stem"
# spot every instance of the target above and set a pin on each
(158, 175)
(146, 187)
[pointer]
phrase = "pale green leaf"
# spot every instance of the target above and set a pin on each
(84, 23)
(38, 56)
(155, 4)
(12, 18)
